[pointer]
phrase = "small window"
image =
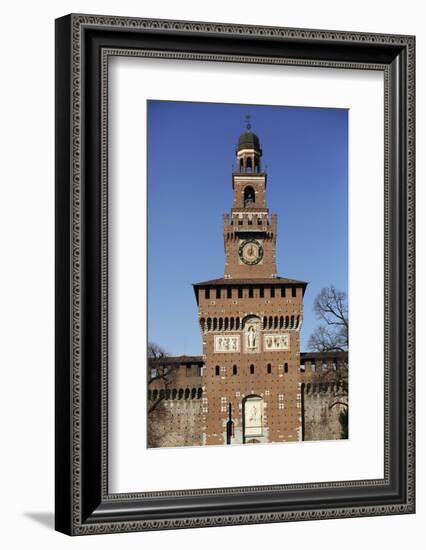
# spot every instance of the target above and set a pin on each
(285, 367)
(217, 370)
(251, 293)
(272, 292)
(282, 292)
(251, 369)
(234, 369)
(293, 292)
(207, 293)
(261, 292)
(229, 292)
(269, 368)
(218, 293)
(240, 293)
(249, 196)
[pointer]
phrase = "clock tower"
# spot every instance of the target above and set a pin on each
(250, 321)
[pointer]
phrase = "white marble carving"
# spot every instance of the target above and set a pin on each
(227, 344)
(276, 342)
(252, 335)
(253, 416)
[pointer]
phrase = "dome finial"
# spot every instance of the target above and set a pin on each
(248, 118)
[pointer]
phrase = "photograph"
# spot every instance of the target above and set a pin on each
(248, 317)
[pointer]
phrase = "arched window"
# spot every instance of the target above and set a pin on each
(193, 393)
(174, 394)
(285, 367)
(180, 395)
(249, 197)
(234, 369)
(187, 393)
(249, 164)
(217, 370)
(269, 368)
(251, 369)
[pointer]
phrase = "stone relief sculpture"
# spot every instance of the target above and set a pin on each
(252, 335)
(251, 338)
(226, 344)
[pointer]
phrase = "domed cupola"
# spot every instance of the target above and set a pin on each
(249, 140)
(248, 151)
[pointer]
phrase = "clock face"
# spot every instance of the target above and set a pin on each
(250, 251)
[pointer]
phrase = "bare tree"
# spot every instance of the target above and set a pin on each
(159, 374)
(332, 334)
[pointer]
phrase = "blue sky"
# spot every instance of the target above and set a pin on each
(191, 150)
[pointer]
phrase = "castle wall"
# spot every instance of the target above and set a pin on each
(232, 376)
(176, 423)
(323, 407)
(320, 391)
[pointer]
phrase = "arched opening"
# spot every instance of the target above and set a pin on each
(217, 370)
(199, 393)
(249, 165)
(249, 196)
(251, 369)
(234, 369)
(252, 417)
(187, 393)
(241, 165)
(269, 368)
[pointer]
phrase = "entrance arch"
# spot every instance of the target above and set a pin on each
(252, 418)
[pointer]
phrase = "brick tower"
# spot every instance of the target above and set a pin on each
(250, 321)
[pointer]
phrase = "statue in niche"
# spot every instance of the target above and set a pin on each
(251, 338)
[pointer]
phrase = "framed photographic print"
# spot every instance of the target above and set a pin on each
(234, 274)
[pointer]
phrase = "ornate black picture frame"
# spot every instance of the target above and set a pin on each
(84, 44)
